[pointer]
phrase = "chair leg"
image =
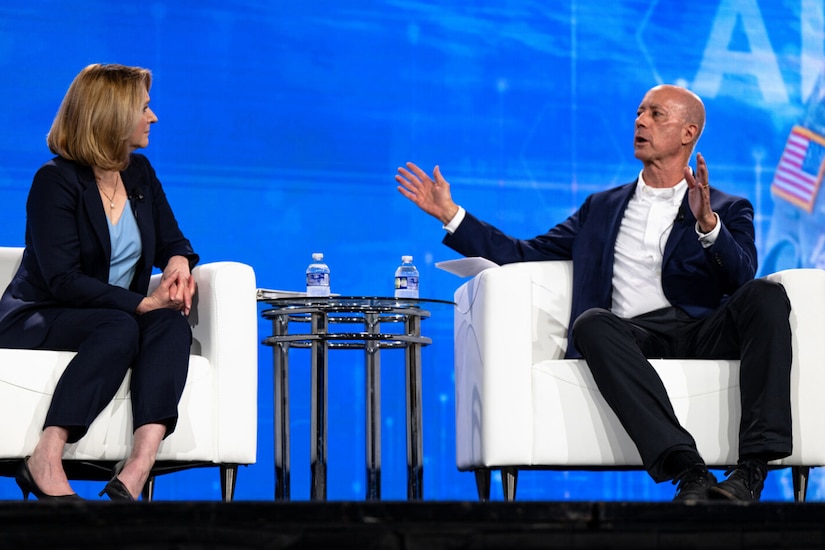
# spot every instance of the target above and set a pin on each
(483, 484)
(509, 479)
(800, 482)
(229, 474)
(149, 489)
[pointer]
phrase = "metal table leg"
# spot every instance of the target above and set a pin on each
(372, 340)
(415, 445)
(280, 377)
(318, 420)
(373, 407)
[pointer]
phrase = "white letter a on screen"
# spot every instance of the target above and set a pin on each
(759, 62)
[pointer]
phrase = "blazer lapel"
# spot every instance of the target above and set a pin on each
(614, 213)
(94, 209)
(141, 208)
(684, 222)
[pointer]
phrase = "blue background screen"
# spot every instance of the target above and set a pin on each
(281, 126)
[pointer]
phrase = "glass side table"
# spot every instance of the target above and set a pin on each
(362, 317)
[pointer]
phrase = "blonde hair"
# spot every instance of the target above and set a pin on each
(98, 115)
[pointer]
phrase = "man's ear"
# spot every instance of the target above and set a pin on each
(689, 133)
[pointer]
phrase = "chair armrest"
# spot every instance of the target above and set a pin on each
(503, 320)
(806, 291)
(10, 258)
(225, 331)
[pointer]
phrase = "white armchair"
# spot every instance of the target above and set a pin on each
(521, 405)
(217, 423)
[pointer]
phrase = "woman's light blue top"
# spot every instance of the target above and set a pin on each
(126, 248)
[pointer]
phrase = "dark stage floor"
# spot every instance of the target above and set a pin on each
(418, 525)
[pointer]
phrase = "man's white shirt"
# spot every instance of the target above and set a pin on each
(640, 245)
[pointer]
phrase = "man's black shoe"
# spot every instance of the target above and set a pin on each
(694, 484)
(744, 482)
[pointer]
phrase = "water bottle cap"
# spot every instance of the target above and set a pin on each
(317, 256)
(407, 259)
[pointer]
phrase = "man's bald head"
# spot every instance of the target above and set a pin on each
(692, 106)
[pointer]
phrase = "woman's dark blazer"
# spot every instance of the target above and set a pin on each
(68, 249)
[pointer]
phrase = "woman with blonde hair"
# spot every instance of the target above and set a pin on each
(97, 221)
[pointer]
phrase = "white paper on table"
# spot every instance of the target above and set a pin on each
(466, 267)
(271, 294)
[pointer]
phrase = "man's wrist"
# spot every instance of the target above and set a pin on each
(449, 214)
(708, 238)
(708, 225)
(452, 224)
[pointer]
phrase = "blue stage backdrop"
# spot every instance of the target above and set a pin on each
(282, 125)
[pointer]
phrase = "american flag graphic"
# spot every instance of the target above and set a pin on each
(799, 173)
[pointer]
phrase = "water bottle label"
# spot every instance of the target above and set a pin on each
(317, 279)
(406, 283)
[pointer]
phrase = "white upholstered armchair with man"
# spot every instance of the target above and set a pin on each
(663, 267)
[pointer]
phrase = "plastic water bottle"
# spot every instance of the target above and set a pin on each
(318, 276)
(406, 279)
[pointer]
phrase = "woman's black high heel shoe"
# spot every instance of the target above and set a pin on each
(115, 489)
(26, 482)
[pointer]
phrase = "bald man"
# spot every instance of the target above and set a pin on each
(662, 267)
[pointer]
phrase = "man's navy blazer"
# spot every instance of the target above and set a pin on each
(695, 279)
(68, 248)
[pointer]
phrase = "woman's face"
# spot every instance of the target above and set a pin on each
(140, 135)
